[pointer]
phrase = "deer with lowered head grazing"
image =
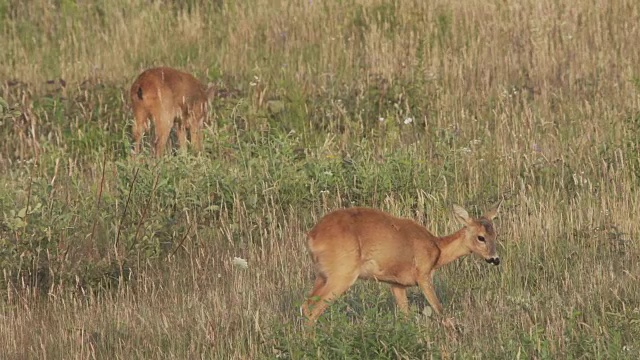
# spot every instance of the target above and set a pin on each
(363, 243)
(171, 98)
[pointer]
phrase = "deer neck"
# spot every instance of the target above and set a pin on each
(451, 247)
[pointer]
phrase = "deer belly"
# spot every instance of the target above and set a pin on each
(391, 273)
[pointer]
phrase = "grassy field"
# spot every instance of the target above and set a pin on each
(407, 106)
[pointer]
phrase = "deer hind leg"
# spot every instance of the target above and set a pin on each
(400, 293)
(139, 126)
(321, 280)
(333, 287)
(181, 132)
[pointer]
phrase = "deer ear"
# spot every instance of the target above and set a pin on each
(461, 215)
(491, 213)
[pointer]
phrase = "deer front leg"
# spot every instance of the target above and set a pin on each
(196, 123)
(426, 284)
(400, 293)
(163, 120)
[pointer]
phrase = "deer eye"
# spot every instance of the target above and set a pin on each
(481, 238)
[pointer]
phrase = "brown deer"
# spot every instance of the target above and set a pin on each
(171, 98)
(365, 243)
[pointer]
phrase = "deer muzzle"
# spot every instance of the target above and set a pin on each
(493, 260)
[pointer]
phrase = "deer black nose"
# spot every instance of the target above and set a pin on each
(494, 261)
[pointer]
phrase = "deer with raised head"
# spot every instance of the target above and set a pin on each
(362, 243)
(171, 98)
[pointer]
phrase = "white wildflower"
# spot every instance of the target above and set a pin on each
(408, 121)
(579, 179)
(240, 263)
